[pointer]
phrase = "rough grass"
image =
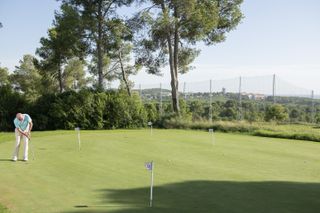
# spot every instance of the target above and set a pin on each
(3, 209)
(194, 172)
(289, 131)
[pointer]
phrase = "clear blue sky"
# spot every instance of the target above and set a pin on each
(279, 37)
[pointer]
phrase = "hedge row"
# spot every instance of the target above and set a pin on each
(85, 109)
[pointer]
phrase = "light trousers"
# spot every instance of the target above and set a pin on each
(17, 146)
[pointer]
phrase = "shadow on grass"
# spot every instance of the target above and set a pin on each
(5, 159)
(213, 196)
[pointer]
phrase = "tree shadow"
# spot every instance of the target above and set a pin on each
(213, 196)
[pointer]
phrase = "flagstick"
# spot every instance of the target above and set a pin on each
(150, 124)
(151, 188)
(31, 146)
(212, 136)
(79, 142)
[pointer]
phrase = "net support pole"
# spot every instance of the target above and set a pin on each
(184, 91)
(210, 102)
(240, 99)
(160, 106)
(312, 107)
(274, 88)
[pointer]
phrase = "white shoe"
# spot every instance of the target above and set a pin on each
(25, 159)
(14, 159)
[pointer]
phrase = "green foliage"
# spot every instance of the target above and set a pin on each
(167, 34)
(26, 78)
(88, 110)
(229, 111)
(4, 76)
(3, 209)
(74, 75)
(317, 118)
(123, 111)
(103, 32)
(251, 112)
(276, 112)
(289, 135)
(197, 109)
(62, 44)
(222, 126)
(297, 132)
(10, 104)
(295, 115)
(193, 21)
(152, 112)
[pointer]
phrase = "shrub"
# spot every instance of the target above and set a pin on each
(10, 103)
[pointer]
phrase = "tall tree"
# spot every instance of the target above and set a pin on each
(125, 69)
(119, 64)
(26, 78)
(4, 76)
(170, 29)
(74, 75)
(99, 18)
(63, 43)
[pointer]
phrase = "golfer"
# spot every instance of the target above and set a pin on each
(23, 124)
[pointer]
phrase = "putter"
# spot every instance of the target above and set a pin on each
(31, 148)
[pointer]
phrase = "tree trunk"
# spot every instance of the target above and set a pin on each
(60, 78)
(174, 81)
(173, 73)
(175, 61)
(124, 76)
(99, 47)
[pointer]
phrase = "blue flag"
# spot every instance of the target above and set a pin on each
(149, 165)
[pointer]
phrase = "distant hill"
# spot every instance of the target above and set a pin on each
(154, 94)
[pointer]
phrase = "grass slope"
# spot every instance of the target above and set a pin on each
(238, 173)
(308, 132)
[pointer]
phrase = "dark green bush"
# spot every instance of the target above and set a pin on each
(86, 109)
(10, 103)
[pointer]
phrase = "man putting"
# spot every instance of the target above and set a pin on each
(23, 124)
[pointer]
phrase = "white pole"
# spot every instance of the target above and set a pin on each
(312, 107)
(79, 141)
(240, 100)
(212, 136)
(151, 187)
(184, 91)
(150, 124)
(274, 88)
(31, 147)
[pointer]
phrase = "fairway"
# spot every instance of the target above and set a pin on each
(233, 173)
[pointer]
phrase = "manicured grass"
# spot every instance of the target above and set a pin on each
(238, 173)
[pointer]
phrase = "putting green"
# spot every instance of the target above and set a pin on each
(237, 173)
